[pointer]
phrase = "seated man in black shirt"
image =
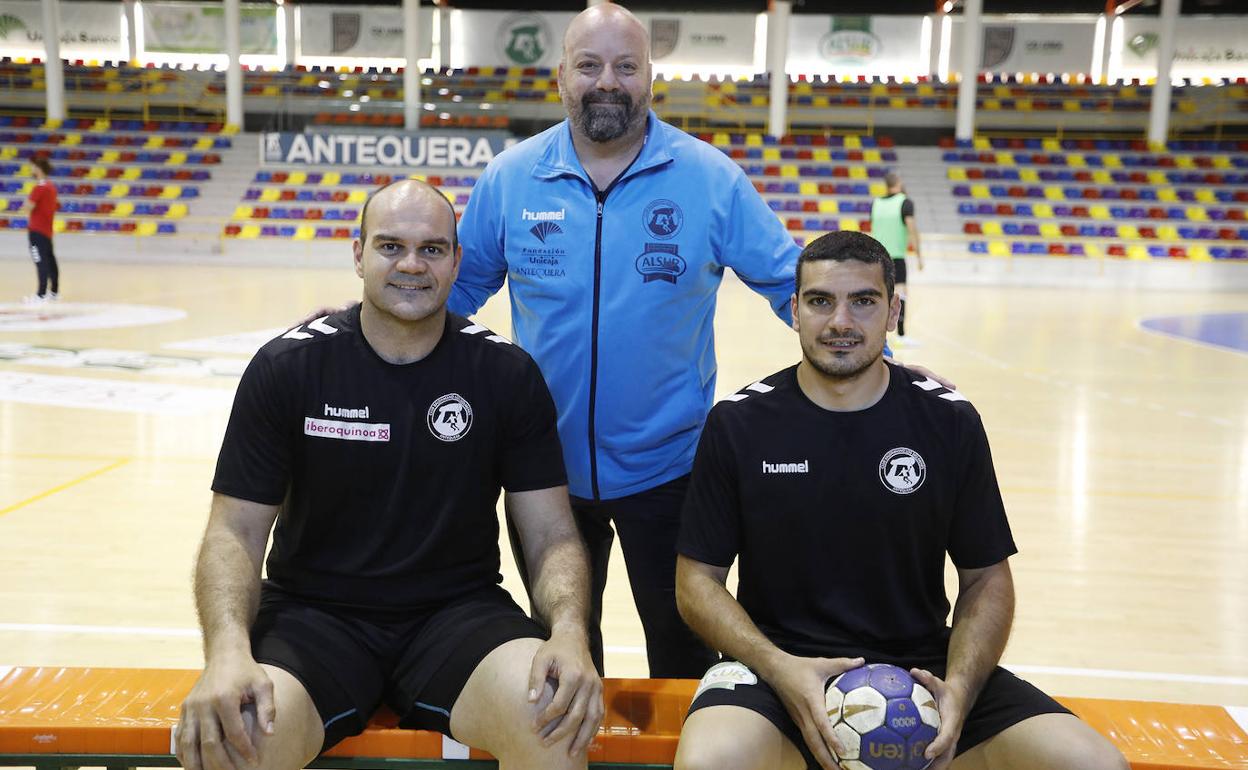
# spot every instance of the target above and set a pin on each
(841, 483)
(378, 439)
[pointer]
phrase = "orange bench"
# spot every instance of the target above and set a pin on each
(123, 718)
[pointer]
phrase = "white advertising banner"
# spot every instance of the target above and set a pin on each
(199, 28)
(506, 39)
(374, 31)
(701, 41)
(1013, 44)
(867, 45)
(88, 30)
(1213, 47)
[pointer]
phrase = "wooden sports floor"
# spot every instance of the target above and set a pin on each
(1122, 454)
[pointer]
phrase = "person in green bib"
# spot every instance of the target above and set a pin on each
(892, 224)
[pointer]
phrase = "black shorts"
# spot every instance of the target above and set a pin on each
(416, 662)
(1005, 701)
(899, 269)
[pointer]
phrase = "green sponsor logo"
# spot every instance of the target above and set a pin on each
(10, 23)
(524, 39)
(1142, 43)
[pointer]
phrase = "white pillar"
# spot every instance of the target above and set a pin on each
(291, 14)
(933, 51)
(777, 57)
(132, 33)
(411, 67)
(444, 30)
(234, 73)
(972, 54)
(1159, 110)
(53, 68)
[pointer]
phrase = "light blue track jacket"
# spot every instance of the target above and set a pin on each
(613, 292)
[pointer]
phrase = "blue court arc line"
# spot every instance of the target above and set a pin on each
(1224, 331)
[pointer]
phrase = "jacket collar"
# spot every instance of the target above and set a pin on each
(560, 159)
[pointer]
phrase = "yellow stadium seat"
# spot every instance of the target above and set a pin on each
(1168, 233)
(1221, 161)
(1157, 178)
(119, 190)
(1051, 144)
(249, 231)
(1050, 230)
(1023, 105)
(1199, 253)
(101, 124)
(857, 172)
(58, 225)
(721, 139)
(242, 212)
(493, 96)
(72, 140)
(97, 172)
(808, 188)
(897, 103)
(1076, 160)
(872, 156)
(171, 192)
(1093, 250)
(848, 224)
(1196, 214)
(176, 211)
(27, 186)
(203, 143)
(879, 89)
(771, 153)
(308, 80)
(789, 172)
(51, 123)
(8, 152)
(758, 100)
(1001, 91)
(1054, 194)
(553, 96)
(146, 228)
(1102, 177)
(1167, 195)
(297, 177)
(1005, 159)
(753, 140)
(1070, 105)
(331, 179)
(800, 89)
(979, 191)
(305, 233)
(1184, 161)
(270, 194)
(822, 102)
(828, 206)
(956, 174)
(1042, 210)
(1028, 175)
(992, 227)
(1128, 92)
(1099, 212)
(176, 159)
(229, 129)
(821, 155)
(853, 143)
(154, 142)
(357, 196)
(998, 249)
(115, 87)
(981, 143)
(1113, 161)
(511, 84)
(124, 209)
(1205, 195)
(109, 156)
(877, 189)
(1128, 231)
(926, 90)
(418, 177)
(1137, 252)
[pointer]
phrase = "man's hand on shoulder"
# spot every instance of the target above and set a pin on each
(800, 683)
(324, 311)
(212, 731)
(928, 373)
(566, 689)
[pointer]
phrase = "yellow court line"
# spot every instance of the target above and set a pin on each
(66, 485)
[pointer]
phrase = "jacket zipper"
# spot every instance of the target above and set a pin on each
(593, 350)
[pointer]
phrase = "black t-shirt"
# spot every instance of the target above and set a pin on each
(387, 475)
(842, 520)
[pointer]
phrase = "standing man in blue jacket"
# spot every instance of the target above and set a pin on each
(613, 230)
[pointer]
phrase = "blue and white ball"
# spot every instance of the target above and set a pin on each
(882, 717)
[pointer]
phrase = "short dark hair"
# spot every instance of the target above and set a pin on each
(388, 185)
(42, 162)
(892, 178)
(843, 246)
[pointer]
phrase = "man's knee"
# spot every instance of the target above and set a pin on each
(297, 732)
(1046, 742)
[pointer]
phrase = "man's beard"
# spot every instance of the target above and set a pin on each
(838, 368)
(605, 123)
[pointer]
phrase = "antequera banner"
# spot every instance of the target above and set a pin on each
(1204, 47)
(1026, 45)
(363, 30)
(504, 39)
(200, 28)
(88, 30)
(867, 45)
(423, 150)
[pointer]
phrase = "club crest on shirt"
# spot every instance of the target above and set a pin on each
(902, 470)
(449, 417)
(663, 219)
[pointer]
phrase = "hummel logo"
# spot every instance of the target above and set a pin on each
(802, 467)
(542, 216)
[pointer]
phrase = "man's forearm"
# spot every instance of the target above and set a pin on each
(721, 621)
(561, 585)
(227, 593)
(981, 626)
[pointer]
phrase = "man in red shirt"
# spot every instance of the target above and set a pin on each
(41, 206)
